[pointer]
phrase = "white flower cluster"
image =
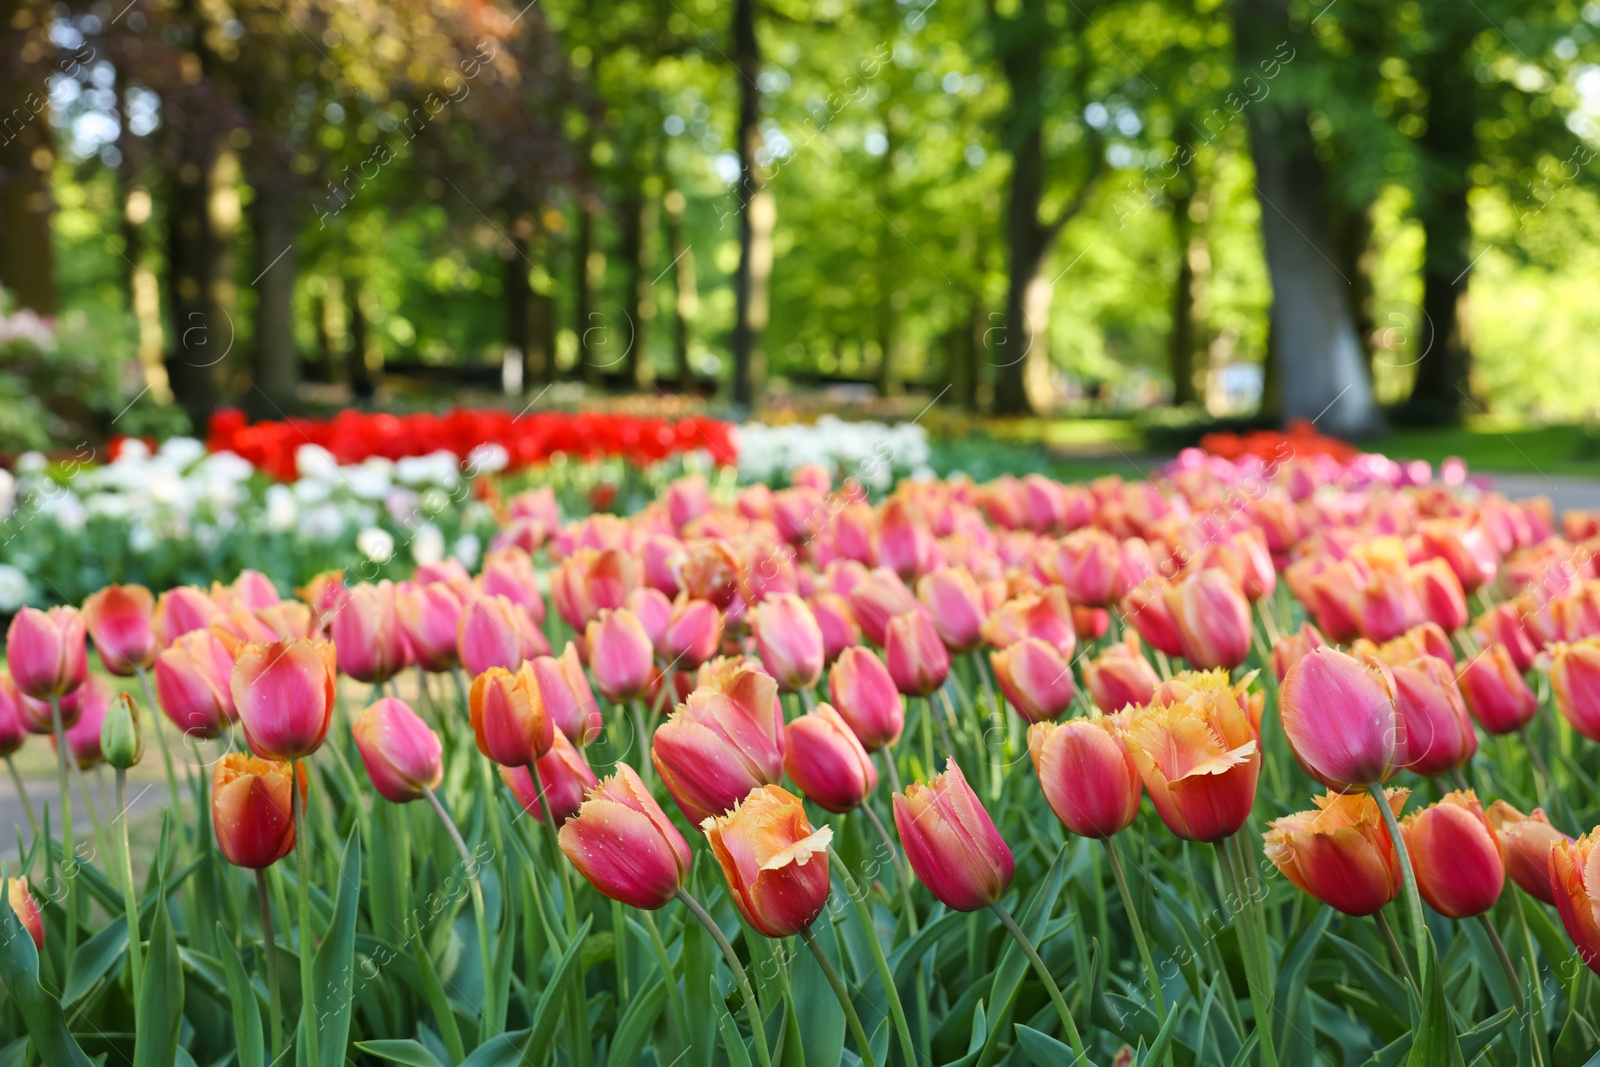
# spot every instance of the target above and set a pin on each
(876, 453)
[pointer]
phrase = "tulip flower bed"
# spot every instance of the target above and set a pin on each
(760, 777)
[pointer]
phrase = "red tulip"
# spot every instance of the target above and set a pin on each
(564, 775)
(951, 842)
(1034, 678)
(284, 694)
(402, 755)
(824, 758)
(1087, 775)
(624, 844)
(120, 620)
(508, 716)
(1495, 691)
(567, 698)
(620, 655)
(194, 678)
(918, 661)
(1339, 716)
(366, 634)
(789, 641)
(45, 651)
(1436, 734)
(776, 864)
(252, 809)
(866, 697)
(1456, 856)
(1525, 844)
(1341, 854)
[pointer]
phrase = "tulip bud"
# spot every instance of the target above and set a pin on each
(1439, 594)
(1089, 564)
(716, 748)
(789, 641)
(1341, 854)
(252, 809)
(1495, 691)
(183, 610)
(1120, 676)
(1034, 678)
(1456, 856)
(567, 698)
(14, 717)
(951, 843)
(1199, 758)
(956, 605)
(494, 632)
(1213, 619)
(693, 633)
(45, 651)
(119, 619)
(83, 713)
(824, 758)
(366, 634)
(1503, 625)
(624, 844)
(284, 693)
(776, 864)
(26, 909)
(194, 684)
(838, 626)
(1525, 844)
(864, 693)
(402, 755)
(1087, 775)
(1436, 734)
(1046, 615)
(1575, 678)
(620, 655)
(1339, 717)
(508, 716)
(1292, 648)
(564, 775)
(121, 739)
(1578, 895)
(918, 661)
(430, 617)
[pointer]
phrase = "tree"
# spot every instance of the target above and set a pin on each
(27, 152)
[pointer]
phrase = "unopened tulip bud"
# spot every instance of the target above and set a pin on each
(1525, 844)
(564, 775)
(121, 739)
(252, 809)
(1456, 856)
(789, 641)
(194, 684)
(567, 697)
(951, 842)
(825, 759)
(1034, 678)
(624, 844)
(430, 616)
(508, 716)
(716, 748)
(46, 652)
(366, 634)
(956, 604)
(918, 661)
(620, 655)
(1495, 691)
(1087, 775)
(1341, 854)
(402, 755)
(693, 633)
(26, 909)
(1439, 594)
(864, 694)
(1213, 619)
(775, 862)
(120, 621)
(1120, 676)
(284, 693)
(838, 626)
(1436, 735)
(1339, 717)
(1575, 678)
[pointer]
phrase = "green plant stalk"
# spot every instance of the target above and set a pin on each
(569, 902)
(1408, 878)
(62, 750)
(1073, 1037)
(302, 849)
(641, 730)
(130, 902)
(1138, 929)
(843, 995)
(1536, 1016)
(161, 737)
(274, 996)
(897, 1011)
(757, 1029)
(469, 868)
(1398, 956)
(1252, 943)
(1505, 961)
(664, 961)
(902, 869)
(27, 801)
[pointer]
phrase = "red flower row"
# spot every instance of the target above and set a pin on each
(1300, 440)
(529, 439)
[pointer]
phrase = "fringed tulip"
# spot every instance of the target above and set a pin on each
(508, 716)
(620, 655)
(366, 634)
(1525, 844)
(284, 694)
(1087, 775)
(568, 700)
(917, 659)
(430, 617)
(715, 749)
(1436, 735)
(824, 758)
(1575, 678)
(1495, 691)
(1034, 678)
(775, 862)
(252, 809)
(624, 844)
(1120, 676)
(120, 620)
(1199, 758)
(951, 842)
(1576, 884)
(1213, 619)
(1341, 854)
(866, 698)
(194, 684)
(789, 641)
(26, 909)
(1456, 856)
(402, 755)
(46, 652)
(693, 633)
(956, 605)
(1339, 717)
(565, 776)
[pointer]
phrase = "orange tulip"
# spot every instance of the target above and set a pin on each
(1456, 856)
(1576, 885)
(775, 862)
(509, 717)
(1341, 854)
(1087, 775)
(1198, 756)
(252, 809)
(1525, 844)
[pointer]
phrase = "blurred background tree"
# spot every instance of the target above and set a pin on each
(1356, 212)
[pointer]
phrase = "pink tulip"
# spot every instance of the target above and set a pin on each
(1034, 678)
(46, 652)
(693, 633)
(624, 844)
(591, 581)
(864, 693)
(1436, 732)
(904, 544)
(120, 620)
(564, 775)
(1087, 775)
(509, 572)
(86, 707)
(1495, 691)
(918, 661)
(956, 604)
(876, 599)
(1046, 615)
(494, 632)
(653, 609)
(1439, 594)
(1120, 676)
(430, 618)
(951, 842)
(14, 721)
(1213, 620)
(366, 634)
(789, 641)
(620, 655)
(838, 625)
(716, 748)
(194, 684)
(567, 697)
(183, 610)
(1146, 610)
(1089, 564)
(827, 762)
(402, 755)
(284, 693)
(1340, 720)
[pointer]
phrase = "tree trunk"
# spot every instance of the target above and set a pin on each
(585, 285)
(199, 342)
(1023, 341)
(638, 222)
(1181, 340)
(27, 152)
(355, 318)
(277, 226)
(756, 216)
(519, 301)
(1323, 379)
(686, 298)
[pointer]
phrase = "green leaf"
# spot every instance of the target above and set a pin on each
(1014, 966)
(1435, 1044)
(95, 959)
(1163, 1041)
(332, 967)
(40, 1011)
(1041, 1049)
(433, 992)
(503, 1050)
(816, 1008)
(405, 1053)
(159, 1013)
(242, 1000)
(636, 1025)
(548, 1013)
(732, 1042)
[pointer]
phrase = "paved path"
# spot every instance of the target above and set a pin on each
(1565, 491)
(145, 798)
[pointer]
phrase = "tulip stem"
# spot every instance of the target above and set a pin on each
(864, 914)
(641, 728)
(1396, 954)
(129, 902)
(843, 994)
(1552, 797)
(1043, 972)
(161, 737)
(1505, 960)
(62, 749)
(1138, 929)
(1408, 877)
(808, 697)
(757, 1028)
(470, 868)
(22, 792)
(270, 948)
(674, 997)
(302, 849)
(902, 870)
(1252, 944)
(569, 903)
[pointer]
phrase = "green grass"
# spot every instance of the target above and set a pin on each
(1488, 445)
